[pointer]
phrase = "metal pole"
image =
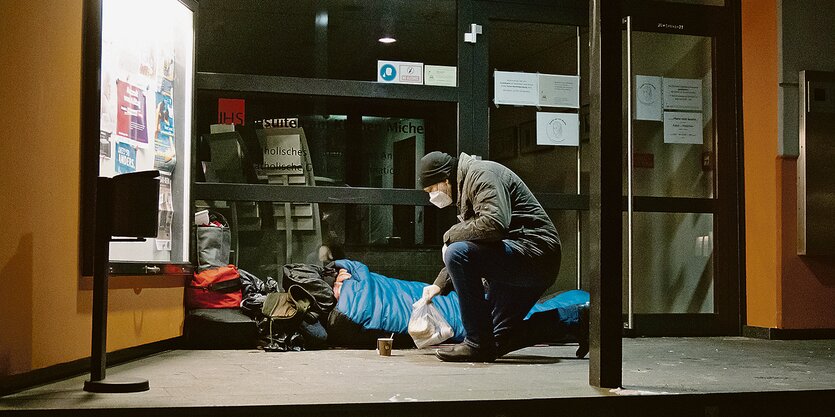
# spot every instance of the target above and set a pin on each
(630, 149)
(101, 264)
(605, 194)
(101, 272)
(579, 213)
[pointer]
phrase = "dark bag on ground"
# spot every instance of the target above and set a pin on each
(255, 291)
(289, 321)
(317, 281)
(288, 309)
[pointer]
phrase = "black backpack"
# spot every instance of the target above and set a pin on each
(316, 281)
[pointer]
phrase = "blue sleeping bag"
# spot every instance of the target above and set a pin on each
(377, 302)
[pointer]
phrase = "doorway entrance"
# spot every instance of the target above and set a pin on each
(680, 190)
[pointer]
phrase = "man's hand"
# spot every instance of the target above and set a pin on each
(430, 291)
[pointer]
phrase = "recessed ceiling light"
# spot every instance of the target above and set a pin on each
(387, 39)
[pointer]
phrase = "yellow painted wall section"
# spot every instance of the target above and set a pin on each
(45, 317)
(759, 103)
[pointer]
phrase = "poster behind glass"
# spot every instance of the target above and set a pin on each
(146, 112)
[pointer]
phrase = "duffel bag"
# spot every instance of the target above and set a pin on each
(215, 288)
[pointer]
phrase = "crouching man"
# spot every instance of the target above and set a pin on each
(504, 237)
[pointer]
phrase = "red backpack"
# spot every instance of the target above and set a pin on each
(215, 288)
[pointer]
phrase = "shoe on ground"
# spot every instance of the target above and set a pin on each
(583, 332)
(463, 352)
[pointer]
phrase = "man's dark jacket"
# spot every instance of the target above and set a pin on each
(494, 204)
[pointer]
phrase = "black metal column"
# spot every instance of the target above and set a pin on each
(101, 260)
(605, 90)
(101, 274)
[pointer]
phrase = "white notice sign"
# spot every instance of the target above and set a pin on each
(516, 88)
(440, 75)
(682, 94)
(683, 127)
(283, 155)
(648, 105)
(559, 91)
(559, 129)
(399, 72)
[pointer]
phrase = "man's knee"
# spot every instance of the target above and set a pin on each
(455, 252)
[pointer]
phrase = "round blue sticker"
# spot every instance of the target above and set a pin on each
(388, 72)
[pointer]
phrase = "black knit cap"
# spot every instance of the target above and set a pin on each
(435, 167)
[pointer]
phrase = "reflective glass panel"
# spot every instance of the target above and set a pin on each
(349, 142)
(566, 223)
(672, 257)
(534, 48)
(672, 116)
(378, 235)
(338, 39)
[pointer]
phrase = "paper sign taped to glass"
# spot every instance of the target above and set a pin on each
(534, 89)
(648, 98)
(557, 129)
(166, 213)
(683, 94)
(683, 127)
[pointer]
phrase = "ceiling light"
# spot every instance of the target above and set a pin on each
(387, 39)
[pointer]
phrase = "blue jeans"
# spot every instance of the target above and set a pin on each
(514, 284)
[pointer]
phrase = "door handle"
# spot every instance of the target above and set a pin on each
(151, 269)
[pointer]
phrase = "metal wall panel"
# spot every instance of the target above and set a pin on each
(815, 180)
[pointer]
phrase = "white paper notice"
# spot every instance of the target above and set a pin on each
(440, 75)
(560, 129)
(682, 94)
(683, 127)
(516, 88)
(559, 91)
(648, 105)
(165, 214)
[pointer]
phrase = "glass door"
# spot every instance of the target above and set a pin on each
(676, 157)
(681, 198)
(529, 103)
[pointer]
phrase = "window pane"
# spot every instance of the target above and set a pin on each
(532, 48)
(672, 255)
(669, 160)
(336, 39)
(566, 223)
(343, 141)
(381, 236)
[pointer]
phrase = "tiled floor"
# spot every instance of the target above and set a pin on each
(234, 378)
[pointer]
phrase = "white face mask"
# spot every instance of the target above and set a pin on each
(440, 199)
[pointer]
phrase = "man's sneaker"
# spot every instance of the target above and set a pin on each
(463, 352)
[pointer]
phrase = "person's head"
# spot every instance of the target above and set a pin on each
(436, 171)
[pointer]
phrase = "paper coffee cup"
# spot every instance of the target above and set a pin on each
(384, 346)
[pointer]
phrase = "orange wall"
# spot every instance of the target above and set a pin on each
(44, 316)
(784, 290)
(759, 105)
